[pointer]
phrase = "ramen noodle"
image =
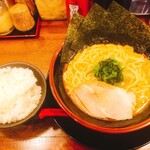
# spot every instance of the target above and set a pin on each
(135, 73)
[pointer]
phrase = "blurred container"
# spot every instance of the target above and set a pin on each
(22, 17)
(6, 24)
(29, 3)
(74, 6)
(51, 9)
(141, 9)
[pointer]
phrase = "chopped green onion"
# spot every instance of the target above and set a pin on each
(109, 71)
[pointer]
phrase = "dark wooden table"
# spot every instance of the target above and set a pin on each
(36, 134)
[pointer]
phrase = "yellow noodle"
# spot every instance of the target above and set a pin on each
(135, 70)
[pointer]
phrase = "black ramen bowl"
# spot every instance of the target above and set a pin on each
(41, 81)
(138, 122)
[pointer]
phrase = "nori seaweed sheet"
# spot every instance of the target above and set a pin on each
(129, 24)
(73, 26)
(117, 13)
(100, 24)
(96, 21)
(114, 25)
(120, 14)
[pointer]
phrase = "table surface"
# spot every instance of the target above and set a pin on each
(41, 134)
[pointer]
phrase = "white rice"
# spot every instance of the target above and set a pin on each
(19, 94)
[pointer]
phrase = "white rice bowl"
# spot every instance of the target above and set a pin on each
(19, 93)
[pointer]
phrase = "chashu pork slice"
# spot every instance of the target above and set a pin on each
(104, 101)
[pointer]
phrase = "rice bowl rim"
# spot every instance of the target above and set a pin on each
(41, 81)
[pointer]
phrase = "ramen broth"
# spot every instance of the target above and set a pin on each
(135, 71)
